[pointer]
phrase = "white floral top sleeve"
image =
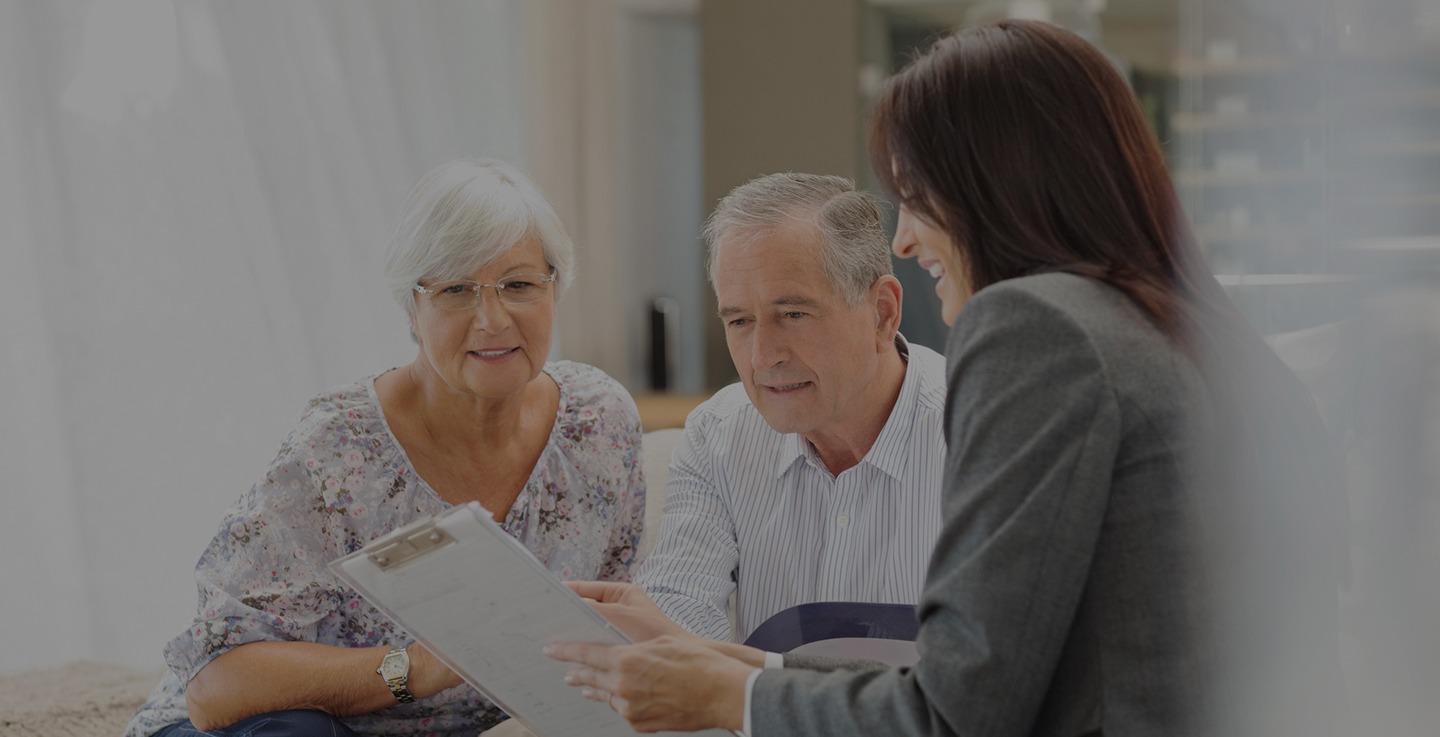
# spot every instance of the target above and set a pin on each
(341, 480)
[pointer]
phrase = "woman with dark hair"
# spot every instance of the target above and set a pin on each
(1134, 480)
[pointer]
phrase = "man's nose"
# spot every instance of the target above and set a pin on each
(767, 347)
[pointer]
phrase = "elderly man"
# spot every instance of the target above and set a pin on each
(817, 477)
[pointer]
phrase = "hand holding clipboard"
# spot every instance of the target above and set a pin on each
(483, 604)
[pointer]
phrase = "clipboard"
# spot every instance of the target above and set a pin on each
(484, 605)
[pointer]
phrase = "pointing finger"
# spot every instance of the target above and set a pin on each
(587, 653)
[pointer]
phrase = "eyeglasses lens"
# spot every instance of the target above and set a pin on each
(513, 290)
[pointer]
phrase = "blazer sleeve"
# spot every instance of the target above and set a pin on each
(826, 664)
(1033, 432)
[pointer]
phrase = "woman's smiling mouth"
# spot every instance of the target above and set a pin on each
(936, 270)
(495, 355)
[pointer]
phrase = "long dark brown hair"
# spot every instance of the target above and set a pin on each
(1022, 142)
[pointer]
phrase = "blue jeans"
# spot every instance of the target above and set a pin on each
(292, 723)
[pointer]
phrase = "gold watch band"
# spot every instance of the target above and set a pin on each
(395, 669)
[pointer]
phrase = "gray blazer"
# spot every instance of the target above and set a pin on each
(1059, 600)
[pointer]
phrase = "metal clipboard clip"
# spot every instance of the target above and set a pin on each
(410, 545)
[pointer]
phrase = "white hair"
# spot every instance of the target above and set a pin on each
(855, 251)
(465, 214)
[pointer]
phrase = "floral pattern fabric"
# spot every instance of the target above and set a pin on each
(341, 480)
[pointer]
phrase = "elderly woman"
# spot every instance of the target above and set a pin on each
(279, 645)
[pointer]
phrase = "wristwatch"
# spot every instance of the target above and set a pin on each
(395, 669)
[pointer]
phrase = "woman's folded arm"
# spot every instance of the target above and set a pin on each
(261, 677)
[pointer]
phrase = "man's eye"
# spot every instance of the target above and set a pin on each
(794, 315)
(737, 322)
(455, 289)
(518, 285)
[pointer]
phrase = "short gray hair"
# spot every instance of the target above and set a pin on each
(855, 250)
(463, 215)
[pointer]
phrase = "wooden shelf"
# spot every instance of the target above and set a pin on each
(1226, 234)
(1391, 53)
(1419, 199)
(1415, 244)
(1212, 178)
(660, 411)
(1190, 67)
(1399, 148)
(1274, 281)
(1385, 101)
(1209, 122)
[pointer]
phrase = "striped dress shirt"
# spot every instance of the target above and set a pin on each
(753, 512)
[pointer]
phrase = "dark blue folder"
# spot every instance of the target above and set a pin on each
(829, 620)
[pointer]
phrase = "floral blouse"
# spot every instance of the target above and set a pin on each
(341, 480)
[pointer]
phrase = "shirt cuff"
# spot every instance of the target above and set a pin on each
(749, 688)
(774, 660)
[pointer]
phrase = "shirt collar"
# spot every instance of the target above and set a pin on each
(887, 453)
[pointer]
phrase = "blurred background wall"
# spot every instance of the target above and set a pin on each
(194, 199)
(780, 95)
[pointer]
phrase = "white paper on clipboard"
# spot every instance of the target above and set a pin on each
(484, 605)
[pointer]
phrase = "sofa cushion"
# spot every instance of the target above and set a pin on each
(657, 447)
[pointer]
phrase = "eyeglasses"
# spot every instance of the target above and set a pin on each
(462, 294)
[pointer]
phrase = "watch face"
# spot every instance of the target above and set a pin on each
(393, 666)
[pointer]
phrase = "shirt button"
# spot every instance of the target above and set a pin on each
(843, 520)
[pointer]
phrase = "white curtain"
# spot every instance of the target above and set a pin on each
(194, 199)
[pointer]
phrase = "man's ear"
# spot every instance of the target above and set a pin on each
(886, 292)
